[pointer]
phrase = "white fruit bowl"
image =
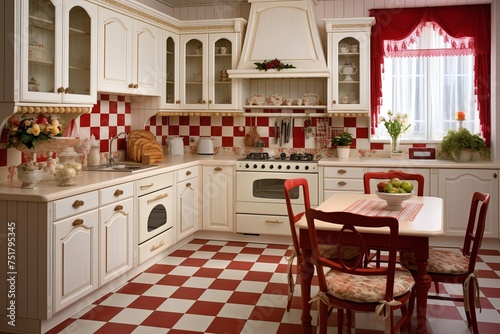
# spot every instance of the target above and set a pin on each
(394, 200)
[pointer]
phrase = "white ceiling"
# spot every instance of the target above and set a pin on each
(193, 3)
(403, 3)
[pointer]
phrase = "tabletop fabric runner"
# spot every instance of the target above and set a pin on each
(376, 208)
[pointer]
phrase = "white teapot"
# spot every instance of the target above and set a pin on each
(348, 70)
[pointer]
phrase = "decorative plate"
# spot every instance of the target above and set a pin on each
(276, 99)
(312, 97)
(257, 99)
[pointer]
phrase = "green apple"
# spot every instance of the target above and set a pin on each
(388, 188)
(407, 186)
(396, 182)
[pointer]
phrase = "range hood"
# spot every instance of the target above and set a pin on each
(285, 30)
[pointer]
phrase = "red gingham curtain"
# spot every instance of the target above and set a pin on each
(468, 29)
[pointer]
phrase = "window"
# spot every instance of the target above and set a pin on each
(430, 88)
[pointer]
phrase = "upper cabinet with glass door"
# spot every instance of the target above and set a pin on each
(58, 55)
(349, 63)
(170, 95)
(205, 59)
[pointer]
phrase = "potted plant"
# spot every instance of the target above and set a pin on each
(461, 144)
(342, 142)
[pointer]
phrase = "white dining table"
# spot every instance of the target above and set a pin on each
(420, 219)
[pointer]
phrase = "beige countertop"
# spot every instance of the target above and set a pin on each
(48, 189)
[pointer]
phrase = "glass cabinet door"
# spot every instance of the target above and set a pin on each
(170, 94)
(41, 69)
(222, 87)
(194, 73)
(79, 52)
(349, 68)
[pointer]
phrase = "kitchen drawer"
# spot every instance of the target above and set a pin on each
(343, 184)
(116, 193)
(153, 183)
(187, 173)
(75, 204)
(156, 245)
(344, 172)
(261, 224)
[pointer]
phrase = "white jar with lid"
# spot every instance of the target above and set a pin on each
(94, 157)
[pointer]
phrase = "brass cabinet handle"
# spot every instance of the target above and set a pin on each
(188, 173)
(209, 101)
(342, 183)
(217, 169)
(155, 247)
(341, 171)
(177, 101)
(136, 86)
(274, 222)
(334, 102)
(60, 90)
(78, 203)
(77, 222)
(67, 90)
(147, 186)
(118, 192)
(118, 207)
(188, 184)
(130, 85)
(157, 198)
(495, 175)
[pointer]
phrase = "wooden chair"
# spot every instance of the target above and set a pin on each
(382, 176)
(458, 267)
(293, 190)
(355, 287)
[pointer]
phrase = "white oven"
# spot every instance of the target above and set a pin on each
(156, 214)
(260, 197)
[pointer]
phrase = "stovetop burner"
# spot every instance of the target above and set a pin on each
(257, 156)
(301, 157)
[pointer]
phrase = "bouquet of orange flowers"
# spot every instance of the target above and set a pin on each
(29, 131)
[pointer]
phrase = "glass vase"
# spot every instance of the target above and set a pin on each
(395, 145)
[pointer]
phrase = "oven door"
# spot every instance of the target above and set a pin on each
(263, 193)
(156, 213)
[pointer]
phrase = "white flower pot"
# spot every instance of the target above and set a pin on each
(343, 152)
(464, 156)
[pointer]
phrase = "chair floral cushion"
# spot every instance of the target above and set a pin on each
(366, 289)
(330, 252)
(443, 261)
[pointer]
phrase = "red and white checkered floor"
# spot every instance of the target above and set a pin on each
(236, 287)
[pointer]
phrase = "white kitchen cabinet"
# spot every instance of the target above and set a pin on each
(76, 250)
(341, 179)
(116, 231)
(170, 78)
(204, 59)
(116, 240)
(456, 187)
(187, 202)
(349, 63)
(129, 55)
(57, 51)
(218, 197)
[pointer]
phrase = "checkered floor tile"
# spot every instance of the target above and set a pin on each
(234, 287)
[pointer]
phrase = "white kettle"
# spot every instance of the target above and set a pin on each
(175, 146)
(205, 146)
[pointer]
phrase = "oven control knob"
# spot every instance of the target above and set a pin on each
(263, 166)
(255, 166)
(271, 167)
(247, 166)
(297, 167)
(306, 167)
(279, 166)
(288, 167)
